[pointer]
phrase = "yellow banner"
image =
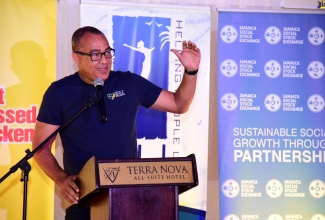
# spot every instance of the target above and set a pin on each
(28, 61)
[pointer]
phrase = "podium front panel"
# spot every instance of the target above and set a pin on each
(144, 203)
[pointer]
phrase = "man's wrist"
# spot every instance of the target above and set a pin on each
(192, 73)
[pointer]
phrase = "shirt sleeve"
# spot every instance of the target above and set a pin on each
(49, 111)
(149, 92)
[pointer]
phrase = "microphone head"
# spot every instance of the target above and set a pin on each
(98, 82)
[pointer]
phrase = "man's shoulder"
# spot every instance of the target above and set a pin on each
(68, 80)
(124, 75)
(121, 73)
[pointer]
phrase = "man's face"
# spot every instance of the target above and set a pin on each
(90, 70)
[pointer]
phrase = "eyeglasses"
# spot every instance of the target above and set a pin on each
(97, 56)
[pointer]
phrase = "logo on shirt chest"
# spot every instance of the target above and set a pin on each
(116, 94)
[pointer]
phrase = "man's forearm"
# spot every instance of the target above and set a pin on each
(185, 92)
(48, 163)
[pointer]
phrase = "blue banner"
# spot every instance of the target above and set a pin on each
(149, 52)
(271, 115)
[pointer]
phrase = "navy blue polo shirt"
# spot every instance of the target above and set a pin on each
(86, 136)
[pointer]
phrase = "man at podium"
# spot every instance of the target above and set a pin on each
(113, 95)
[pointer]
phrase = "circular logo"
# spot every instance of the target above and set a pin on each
(272, 35)
(231, 217)
(274, 188)
(229, 68)
(318, 217)
(229, 102)
(317, 189)
(316, 36)
(315, 70)
(315, 103)
(275, 217)
(228, 34)
(272, 68)
(230, 188)
(272, 102)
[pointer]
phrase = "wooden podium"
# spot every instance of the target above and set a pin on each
(137, 189)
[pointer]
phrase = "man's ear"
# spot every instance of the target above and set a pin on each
(75, 57)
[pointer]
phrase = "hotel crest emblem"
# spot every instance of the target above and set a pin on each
(111, 173)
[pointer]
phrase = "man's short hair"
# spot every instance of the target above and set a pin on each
(79, 33)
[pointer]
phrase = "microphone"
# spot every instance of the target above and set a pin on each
(98, 83)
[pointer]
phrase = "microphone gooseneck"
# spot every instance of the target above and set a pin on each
(100, 100)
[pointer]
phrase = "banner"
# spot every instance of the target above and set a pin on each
(27, 68)
(271, 115)
(142, 36)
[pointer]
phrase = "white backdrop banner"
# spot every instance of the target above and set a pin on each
(142, 36)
